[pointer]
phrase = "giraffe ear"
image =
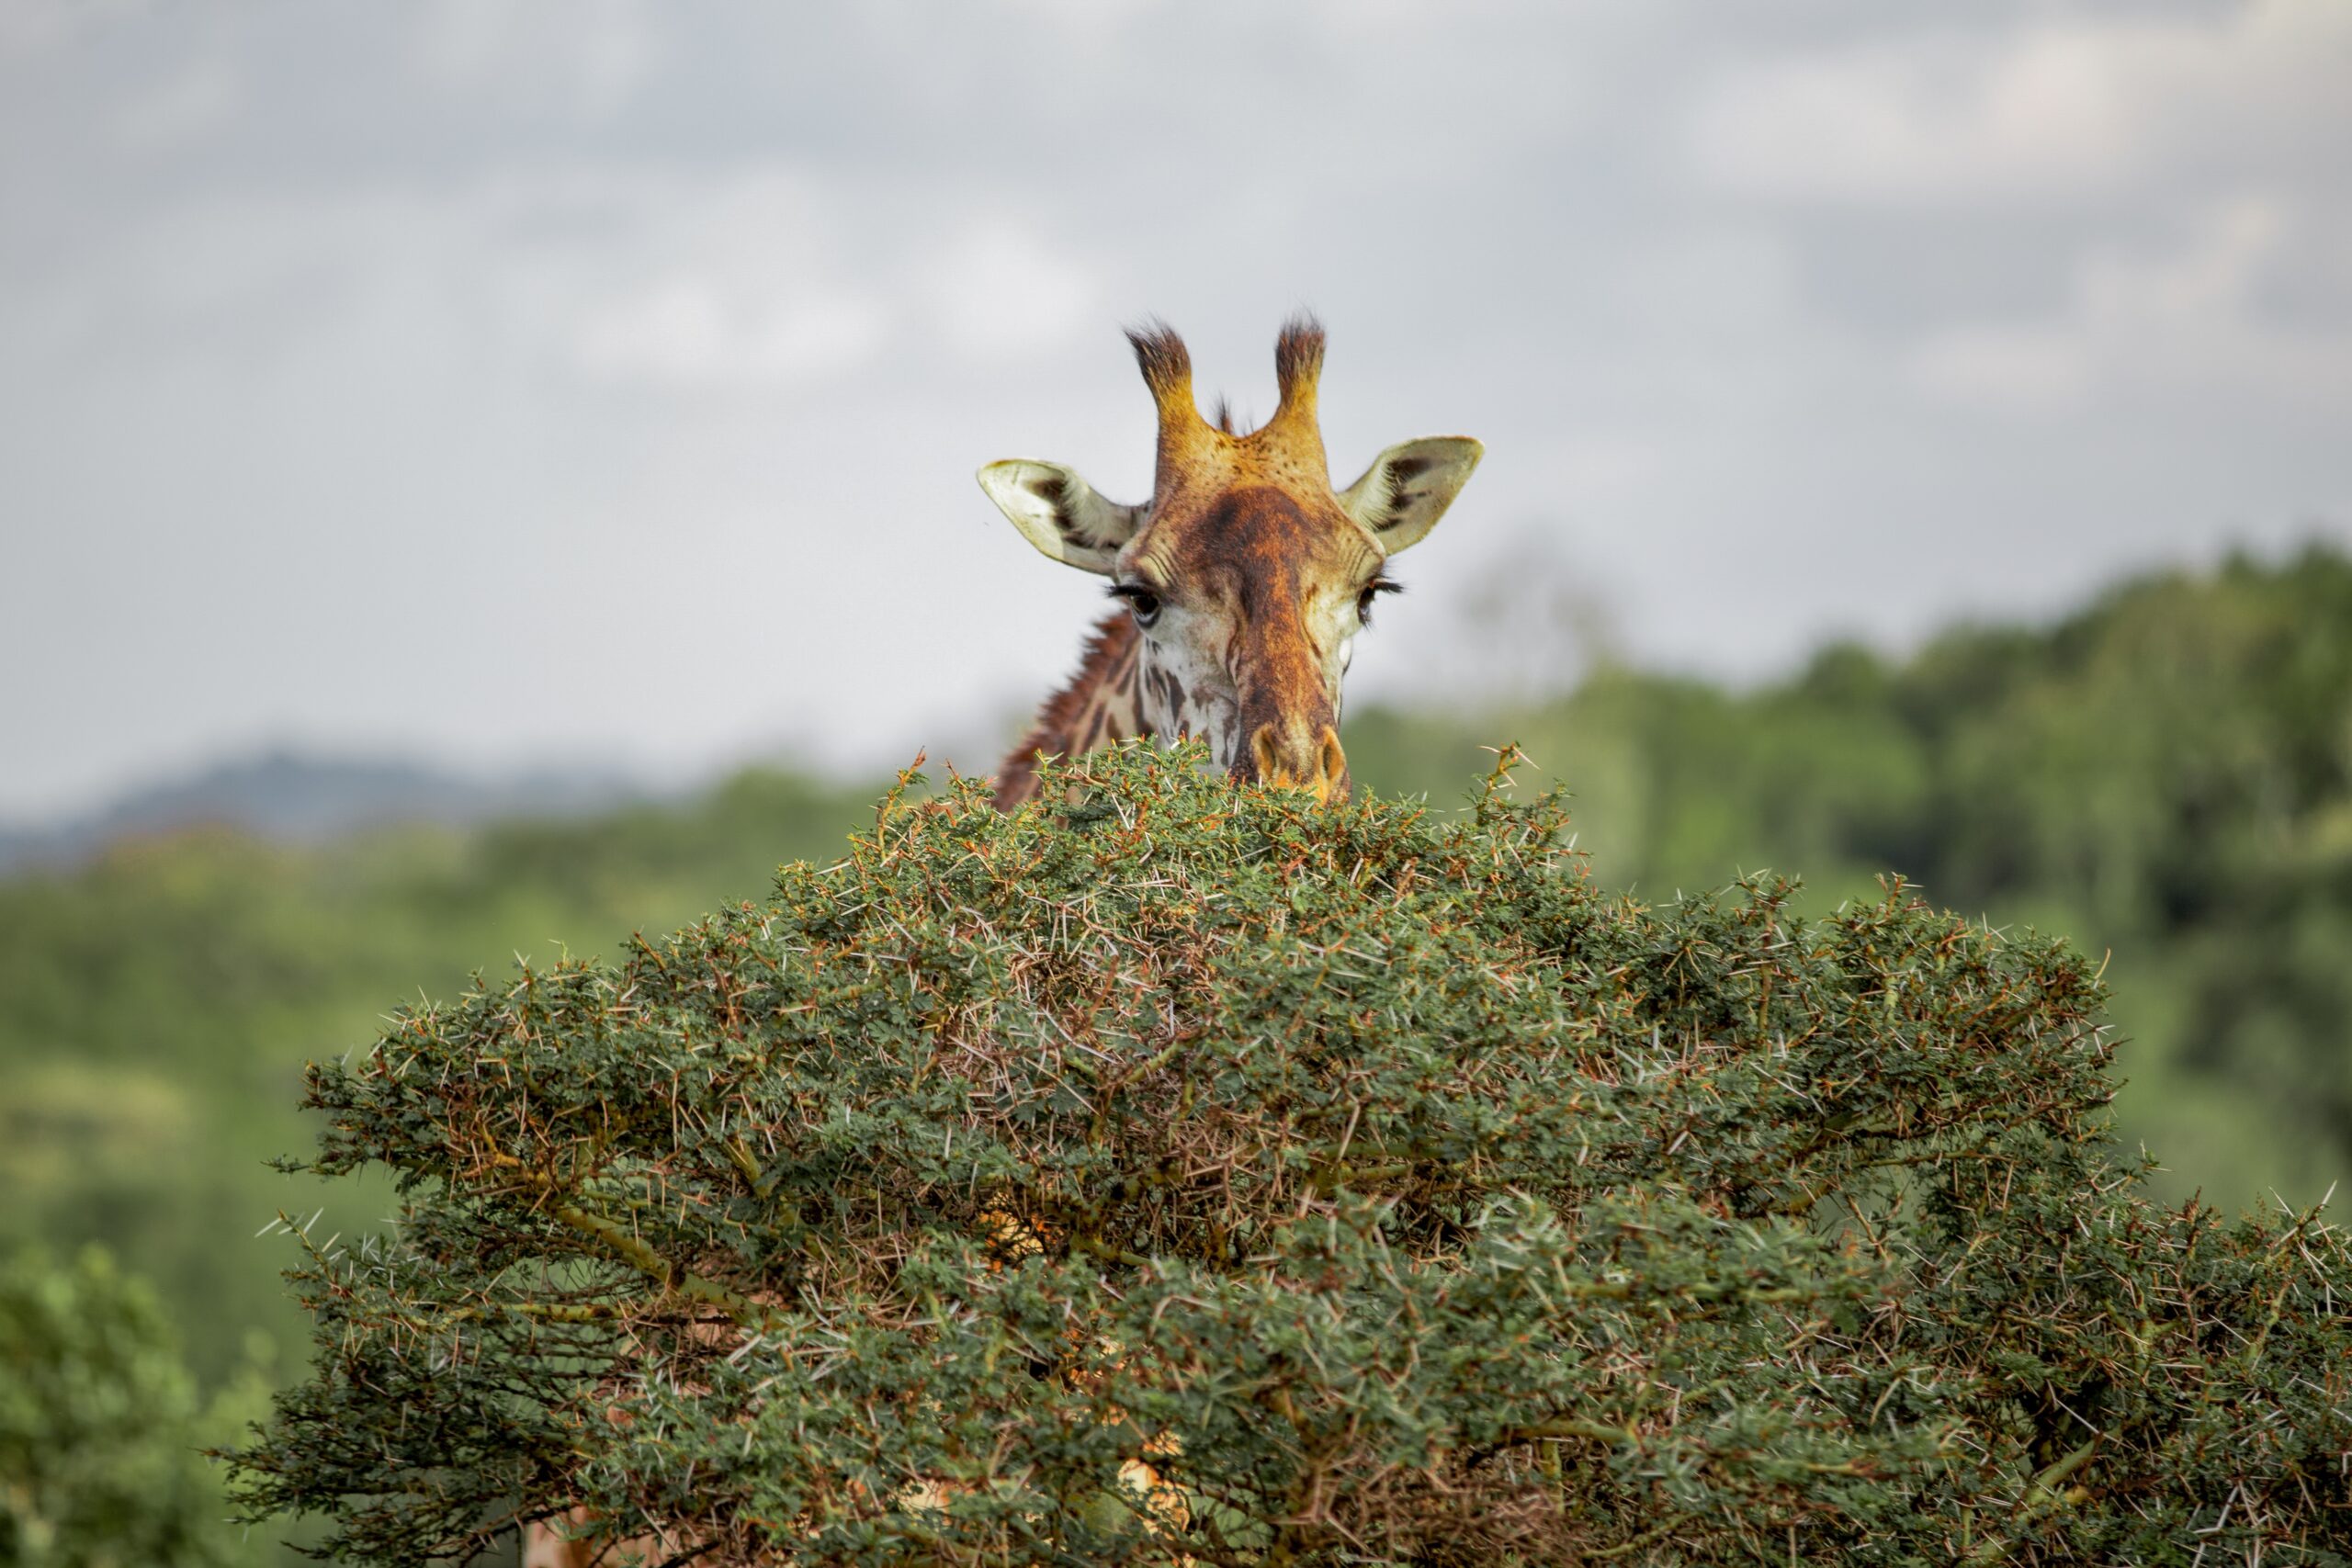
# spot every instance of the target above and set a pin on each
(1409, 486)
(1059, 513)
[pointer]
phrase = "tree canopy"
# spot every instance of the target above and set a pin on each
(1390, 1189)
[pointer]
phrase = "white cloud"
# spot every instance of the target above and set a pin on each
(193, 102)
(2053, 110)
(997, 287)
(594, 52)
(1912, 121)
(768, 276)
(2135, 323)
(755, 276)
(2017, 369)
(32, 27)
(689, 328)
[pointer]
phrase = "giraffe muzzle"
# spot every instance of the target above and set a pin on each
(1322, 769)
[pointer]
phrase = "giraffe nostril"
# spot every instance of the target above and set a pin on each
(1265, 754)
(1330, 766)
(1322, 769)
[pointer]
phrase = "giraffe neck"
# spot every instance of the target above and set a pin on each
(1103, 703)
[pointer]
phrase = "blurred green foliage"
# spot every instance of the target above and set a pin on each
(101, 1425)
(157, 1007)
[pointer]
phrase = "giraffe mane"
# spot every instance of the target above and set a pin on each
(1112, 644)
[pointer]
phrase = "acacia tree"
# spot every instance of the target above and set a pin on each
(1393, 1192)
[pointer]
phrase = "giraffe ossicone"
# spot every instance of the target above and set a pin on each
(1244, 579)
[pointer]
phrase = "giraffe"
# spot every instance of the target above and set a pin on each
(1243, 580)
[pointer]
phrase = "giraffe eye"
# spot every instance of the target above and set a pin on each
(1371, 591)
(1141, 600)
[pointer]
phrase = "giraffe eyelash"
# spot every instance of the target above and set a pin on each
(1141, 600)
(1371, 592)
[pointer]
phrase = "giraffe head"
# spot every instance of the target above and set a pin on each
(1246, 574)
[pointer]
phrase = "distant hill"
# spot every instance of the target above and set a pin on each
(290, 797)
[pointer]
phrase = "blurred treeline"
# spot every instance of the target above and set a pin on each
(156, 1009)
(2166, 776)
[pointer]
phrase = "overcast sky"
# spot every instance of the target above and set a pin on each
(504, 382)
